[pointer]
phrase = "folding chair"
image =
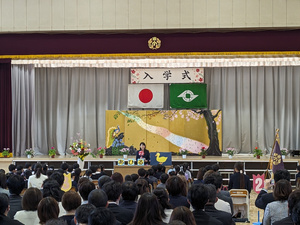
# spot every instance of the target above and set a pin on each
(241, 204)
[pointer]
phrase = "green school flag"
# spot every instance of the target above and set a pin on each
(188, 96)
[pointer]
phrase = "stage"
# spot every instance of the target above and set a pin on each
(251, 164)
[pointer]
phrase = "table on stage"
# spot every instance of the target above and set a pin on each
(128, 170)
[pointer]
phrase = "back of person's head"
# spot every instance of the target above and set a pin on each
(198, 196)
(117, 177)
(45, 168)
(159, 168)
(15, 184)
(177, 169)
(130, 191)
(282, 174)
(56, 222)
(296, 214)
(208, 167)
(142, 185)
(102, 180)
(293, 199)
(212, 193)
(88, 172)
(4, 201)
(176, 222)
(208, 173)
(215, 167)
(82, 213)
(163, 178)
(98, 198)
(163, 199)
(239, 167)
(200, 173)
(38, 169)
(113, 190)
(150, 172)
(215, 179)
(147, 210)
(19, 168)
(82, 180)
(185, 167)
(47, 209)
(175, 185)
(101, 166)
(70, 168)
(85, 189)
(142, 172)
(27, 165)
(75, 166)
(59, 177)
(93, 168)
(184, 214)
(128, 178)
(64, 166)
(282, 190)
(52, 189)
(3, 181)
(12, 167)
(134, 177)
(31, 199)
(102, 216)
(71, 200)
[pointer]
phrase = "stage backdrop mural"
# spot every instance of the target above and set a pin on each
(165, 130)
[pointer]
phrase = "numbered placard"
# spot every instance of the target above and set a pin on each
(258, 182)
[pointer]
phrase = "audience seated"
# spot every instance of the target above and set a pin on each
(175, 187)
(113, 191)
(159, 171)
(134, 177)
(117, 177)
(56, 222)
(59, 177)
(130, 193)
(210, 209)
(3, 185)
(239, 180)
(82, 214)
(264, 197)
(198, 197)
(30, 201)
(296, 214)
(142, 185)
(163, 179)
(277, 210)
(186, 171)
(102, 216)
(38, 178)
(98, 198)
(183, 214)
(95, 172)
(4, 209)
(47, 209)
(151, 178)
(128, 178)
(85, 189)
(147, 211)
(70, 201)
(176, 222)
(102, 180)
(164, 205)
(15, 184)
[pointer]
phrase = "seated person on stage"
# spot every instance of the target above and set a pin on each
(277, 210)
(198, 197)
(264, 197)
(143, 153)
(239, 180)
(293, 200)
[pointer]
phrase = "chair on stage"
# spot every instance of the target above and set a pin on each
(241, 204)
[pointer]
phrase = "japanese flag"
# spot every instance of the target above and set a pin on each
(145, 96)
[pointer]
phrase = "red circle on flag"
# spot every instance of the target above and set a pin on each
(145, 95)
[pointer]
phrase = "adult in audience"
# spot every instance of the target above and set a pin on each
(147, 211)
(102, 216)
(159, 171)
(102, 180)
(183, 214)
(293, 199)
(175, 187)
(296, 214)
(117, 177)
(85, 189)
(30, 201)
(3, 185)
(38, 178)
(4, 209)
(198, 197)
(15, 184)
(70, 201)
(130, 193)
(82, 214)
(164, 205)
(210, 209)
(264, 197)
(47, 209)
(134, 177)
(277, 210)
(151, 178)
(113, 191)
(163, 179)
(239, 180)
(143, 186)
(98, 198)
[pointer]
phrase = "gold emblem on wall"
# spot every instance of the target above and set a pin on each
(154, 43)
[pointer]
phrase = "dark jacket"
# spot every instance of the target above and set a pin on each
(146, 155)
(15, 202)
(263, 199)
(223, 217)
(234, 182)
(285, 221)
(123, 215)
(4, 220)
(178, 200)
(202, 218)
(131, 205)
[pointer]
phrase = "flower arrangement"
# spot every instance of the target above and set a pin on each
(5, 152)
(283, 151)
(124, 151)
(230, 151)
(52, 151)
(80, 148)
(29, 151)
(203, 151)
(183, 151)
(99, 151)
(257, 152)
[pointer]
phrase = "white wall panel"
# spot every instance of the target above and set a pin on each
(279, 13)
(186, 14)
(83, 15)
(239, 13)
(160, 14)
(45, 15)
(226, 12)
(293, 15)
(20, 15)
(200, 14)
(147, 14)
(7, 15)
(173, 13)
(58, 15)
(266, 13)
(33, 15)
(252, 13)
(135, 14)
(213, 13)
(96, 15)
(70, 14)
(109, 14)
(122, 16)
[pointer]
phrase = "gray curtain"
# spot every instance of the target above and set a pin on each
(64, 101)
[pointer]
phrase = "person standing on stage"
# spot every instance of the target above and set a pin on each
(143, 153)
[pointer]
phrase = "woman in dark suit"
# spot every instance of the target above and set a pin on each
(143, 153)
(239, 180)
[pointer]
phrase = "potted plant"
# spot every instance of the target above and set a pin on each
(257, 153)
(230, 152)
(183, 152)
(203, 152)
(5, 152)
(52, 152)
(125, 152)
(100, 151)
(284, 152)
(29, 152)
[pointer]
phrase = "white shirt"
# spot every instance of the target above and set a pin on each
(27, 217)
(36, 182)
(223, 206)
